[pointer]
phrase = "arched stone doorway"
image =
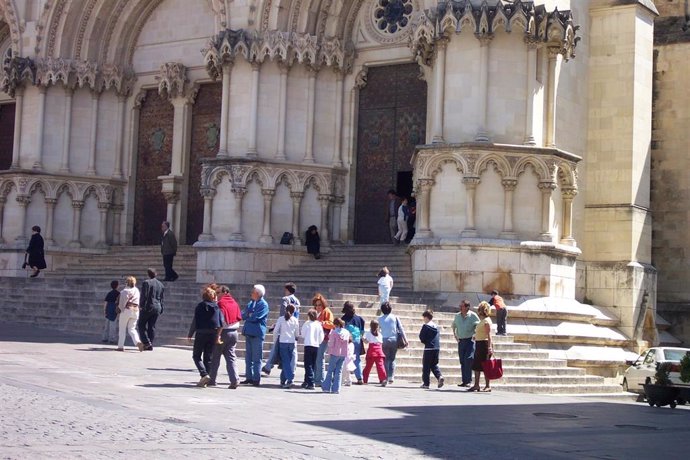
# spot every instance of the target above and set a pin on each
(392, 121)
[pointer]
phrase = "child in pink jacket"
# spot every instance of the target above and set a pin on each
(338, 340)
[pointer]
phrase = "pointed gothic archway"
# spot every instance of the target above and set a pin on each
(392, 121)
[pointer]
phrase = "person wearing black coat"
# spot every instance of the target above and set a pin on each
(313, 242)
(35, 257)
(430, 336)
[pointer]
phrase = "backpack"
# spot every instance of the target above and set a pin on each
(354, 332)
(287, 238)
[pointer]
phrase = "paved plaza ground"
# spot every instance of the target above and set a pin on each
(66, 397)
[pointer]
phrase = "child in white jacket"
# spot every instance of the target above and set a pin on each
(287, 331)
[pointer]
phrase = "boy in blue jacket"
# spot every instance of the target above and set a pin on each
(431, 338)
(254, 330)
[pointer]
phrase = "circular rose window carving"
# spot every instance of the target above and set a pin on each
(391, 16)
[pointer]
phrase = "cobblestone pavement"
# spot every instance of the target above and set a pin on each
(64, 397)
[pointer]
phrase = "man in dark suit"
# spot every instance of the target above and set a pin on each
(168, 249)
(150, 308)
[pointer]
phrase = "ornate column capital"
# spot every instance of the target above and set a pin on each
(172, 80)
(171, 196)
(509, 184)
(239, 192)
(532, 42)
(324, 199)
(569, 193)
(50, 201)
(208, 193)
(268, 193)
(77, 204)
(296, 195)
(425, 184)
(361, 78)
(547, 187)
(23, 200)
(484, 38)
(471, 182)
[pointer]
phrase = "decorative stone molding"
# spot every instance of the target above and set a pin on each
(70, 73)
(172, 80)
(52, 187)
(224, 48)
(484, 19)
(551, 165)
(15, 72)
(327, 181)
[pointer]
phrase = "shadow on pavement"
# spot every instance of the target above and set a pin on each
(577, 430)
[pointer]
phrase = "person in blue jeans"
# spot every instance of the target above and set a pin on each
(463, 327)
(355, 325)
(254, 331)
(287, 331)
(337, 351)
(288, 299)
(390, 327)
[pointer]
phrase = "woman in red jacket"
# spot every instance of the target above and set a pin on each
(230, 311)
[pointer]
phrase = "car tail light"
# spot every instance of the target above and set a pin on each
(674, 368)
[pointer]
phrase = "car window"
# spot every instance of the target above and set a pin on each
(649, 359)
(673, 355)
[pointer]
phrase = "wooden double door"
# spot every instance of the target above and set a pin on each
(391, 123)
(154, 159)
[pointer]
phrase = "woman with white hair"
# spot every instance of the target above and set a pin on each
(254, 331)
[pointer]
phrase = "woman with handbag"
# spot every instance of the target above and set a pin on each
(394, 338)
(482, 347)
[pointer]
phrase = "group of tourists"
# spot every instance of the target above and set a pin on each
(217, 322)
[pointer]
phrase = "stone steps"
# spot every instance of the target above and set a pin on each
(71, 299)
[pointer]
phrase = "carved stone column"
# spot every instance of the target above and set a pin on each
(18, 110)
(471, 183)
(95, 98)
(552, 95)
(509, 191)
(67, 132)
(102, 235)
(532, 46)
(239, 193)
(40, 129)
(172, 197)
(439, 90)
(77, 206)
(119, 130)
(207, 232)
(482, 115)
(424, 208)
(23, 201)
(568, 197)
(324, 201)
(254, 111)
(547, 189)
(282, 110)
(296, 205)
(225, 113)
(268, 200)
(338, 124)
(311, 108)
(117, 223)
(337, 211)
(50, 212)
(3, 200)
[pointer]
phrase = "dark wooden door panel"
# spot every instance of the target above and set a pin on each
(154, 156)
(205, 138)
(392, 121)
(6, 135)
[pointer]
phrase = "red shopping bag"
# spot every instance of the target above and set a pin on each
(493, 368)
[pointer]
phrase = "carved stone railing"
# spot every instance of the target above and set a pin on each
(554, 169)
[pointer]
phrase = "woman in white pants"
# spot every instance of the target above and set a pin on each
(129, 314)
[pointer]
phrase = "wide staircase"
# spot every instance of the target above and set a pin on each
(71, 299)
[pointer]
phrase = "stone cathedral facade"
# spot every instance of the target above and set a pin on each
(523, 129)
